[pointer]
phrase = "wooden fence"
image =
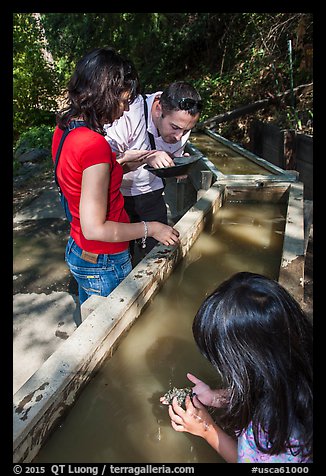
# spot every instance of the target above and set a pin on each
(287, 149)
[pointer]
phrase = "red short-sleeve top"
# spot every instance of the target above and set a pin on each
(83, 148)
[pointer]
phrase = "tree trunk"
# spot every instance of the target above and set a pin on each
(47, 55)
(241, 111)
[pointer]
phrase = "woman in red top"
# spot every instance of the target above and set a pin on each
(97, 253)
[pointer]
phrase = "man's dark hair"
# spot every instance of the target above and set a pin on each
(181, 96)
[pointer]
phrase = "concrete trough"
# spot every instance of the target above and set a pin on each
(44, 399)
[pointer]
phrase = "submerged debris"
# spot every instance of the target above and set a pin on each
(180, 393)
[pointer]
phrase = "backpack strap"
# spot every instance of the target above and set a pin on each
(72, 125)
(150, 135)
(63, 138)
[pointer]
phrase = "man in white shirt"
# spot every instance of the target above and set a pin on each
(152, 135)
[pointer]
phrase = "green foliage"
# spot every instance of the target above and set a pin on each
(39, 137)
(232, 58)
(256, 61)
(34, 82)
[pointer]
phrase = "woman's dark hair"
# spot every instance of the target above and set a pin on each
(181, 96)
(260, 341)
(96, 86)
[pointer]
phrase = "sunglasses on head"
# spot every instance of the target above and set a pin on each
(185, 104)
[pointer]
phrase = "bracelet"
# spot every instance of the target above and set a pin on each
(143, 240)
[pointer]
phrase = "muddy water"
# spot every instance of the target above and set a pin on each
(118, 417)
(225, 159)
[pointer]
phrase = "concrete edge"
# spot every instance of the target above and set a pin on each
(292, 264)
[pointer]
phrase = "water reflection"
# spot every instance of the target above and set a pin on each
(226, 160)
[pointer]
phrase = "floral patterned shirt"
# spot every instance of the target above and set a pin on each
(248, 452)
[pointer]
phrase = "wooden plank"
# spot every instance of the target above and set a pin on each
(270, 192)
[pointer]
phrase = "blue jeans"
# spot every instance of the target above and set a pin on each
(99, 278)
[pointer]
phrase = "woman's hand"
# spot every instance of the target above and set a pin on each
(132, 155)
(165, 234)
(132, 159)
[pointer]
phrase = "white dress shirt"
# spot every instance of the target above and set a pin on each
(129, 132)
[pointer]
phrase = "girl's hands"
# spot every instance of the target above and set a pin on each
(204, 393)
(214, 398)
(195, 419)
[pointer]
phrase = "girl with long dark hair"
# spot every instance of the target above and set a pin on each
(260, 341)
